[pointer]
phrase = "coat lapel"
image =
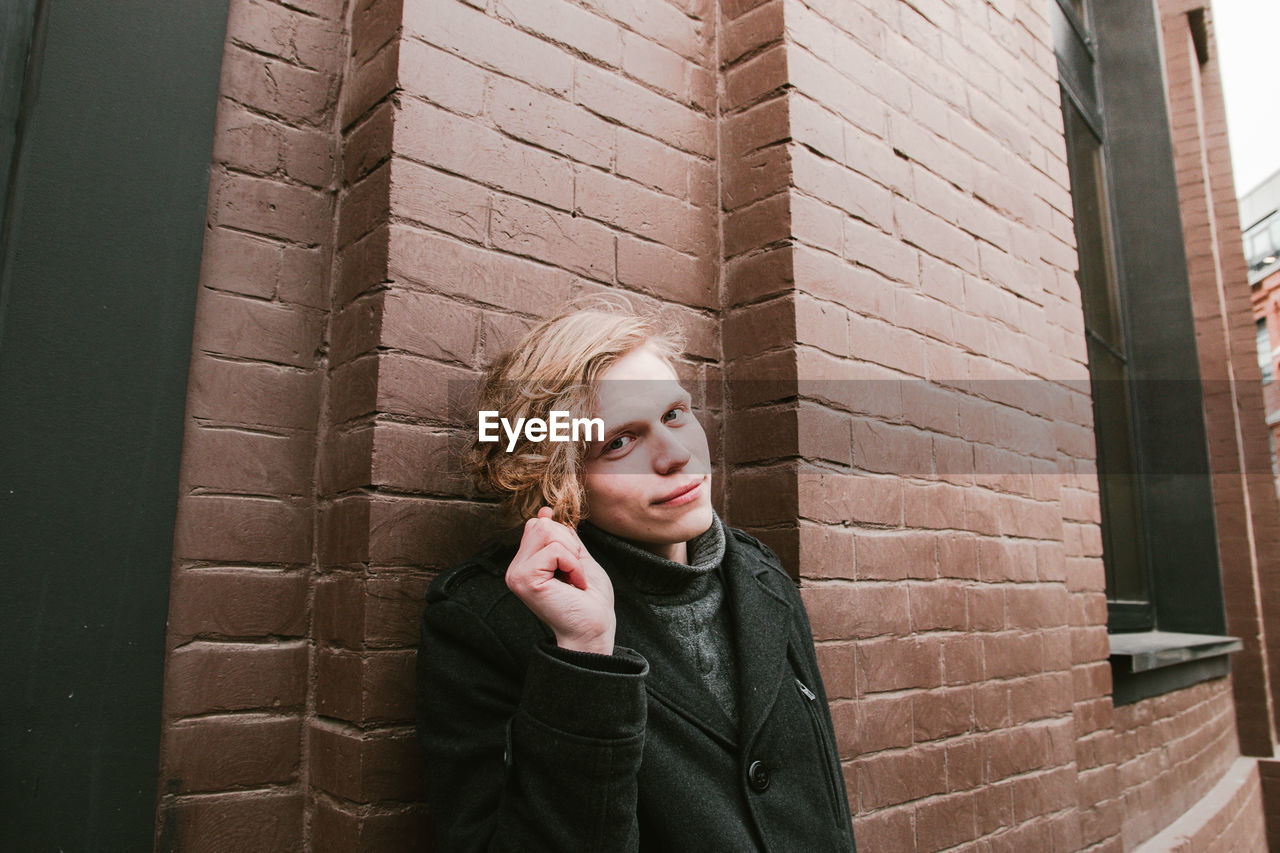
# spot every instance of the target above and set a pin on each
(671, 679)
(761, 620)
(760, 623)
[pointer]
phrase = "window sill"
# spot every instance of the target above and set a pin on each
(1148, 663)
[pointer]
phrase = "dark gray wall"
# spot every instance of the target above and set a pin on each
(17, 34)
(99, 266)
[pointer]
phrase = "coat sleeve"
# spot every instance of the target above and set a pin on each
(547, 762)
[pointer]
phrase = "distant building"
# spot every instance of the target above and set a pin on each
(1260, 224)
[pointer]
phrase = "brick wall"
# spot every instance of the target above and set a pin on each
(931, 206)
(1224, 819)
(1170, 750)
(1269, 771)
(486, 179)
(1246, 508)
(1247, 511)
(863, 202)
(233, 751)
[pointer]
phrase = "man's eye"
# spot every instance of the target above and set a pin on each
(678, 411)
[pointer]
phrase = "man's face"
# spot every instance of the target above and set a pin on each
(638, 479)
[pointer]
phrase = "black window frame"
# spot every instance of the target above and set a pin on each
(1111, 75)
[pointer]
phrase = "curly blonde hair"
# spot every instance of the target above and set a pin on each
(555, 367)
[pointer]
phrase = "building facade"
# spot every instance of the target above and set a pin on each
(1260, 219)
(970, 334)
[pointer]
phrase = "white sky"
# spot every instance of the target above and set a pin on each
(1247, 32)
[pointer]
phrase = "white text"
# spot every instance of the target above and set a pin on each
(559, 427)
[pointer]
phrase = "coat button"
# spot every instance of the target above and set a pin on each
(758, 776)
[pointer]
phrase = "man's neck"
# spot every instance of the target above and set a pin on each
(676, 553)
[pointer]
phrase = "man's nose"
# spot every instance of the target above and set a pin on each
(672, 455)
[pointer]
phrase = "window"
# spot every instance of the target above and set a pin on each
(1108, 363)
(1262, 243)
(1105, 336)
(1160, 545)
(1264, 350)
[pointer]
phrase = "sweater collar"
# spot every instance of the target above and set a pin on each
(649, 573)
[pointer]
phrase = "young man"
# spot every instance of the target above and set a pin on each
(632, 675)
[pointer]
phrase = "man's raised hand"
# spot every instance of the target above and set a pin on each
(556, 578)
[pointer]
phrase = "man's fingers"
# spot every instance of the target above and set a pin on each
(561, 558)
(528, 543)
(540, 530)
(535, 535)
(547, 547)
(575, 571)
(526, 576)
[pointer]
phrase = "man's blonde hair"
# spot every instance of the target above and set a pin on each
(555, 367)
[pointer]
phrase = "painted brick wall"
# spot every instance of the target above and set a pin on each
(1223, 819)
(361, 746)
(858, 209)
(498, 159)
(1269, 772)
(933, 259)
(1170, 750)
(1248, 514)
(236, 695)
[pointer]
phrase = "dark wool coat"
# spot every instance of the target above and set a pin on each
(529, 747)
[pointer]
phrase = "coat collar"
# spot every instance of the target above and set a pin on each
(760, 619)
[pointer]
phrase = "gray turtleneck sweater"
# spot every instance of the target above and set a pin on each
(686, 599)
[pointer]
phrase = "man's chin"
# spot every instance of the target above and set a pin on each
(692, 523)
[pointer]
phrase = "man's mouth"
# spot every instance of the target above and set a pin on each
(684, 491)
